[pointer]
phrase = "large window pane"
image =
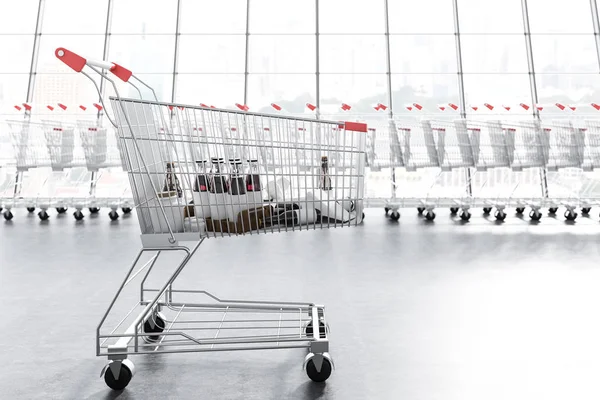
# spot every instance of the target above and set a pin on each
(74, 16)
(568, 88)
(352, 53)
(18, 16)
(144, 16)
(494, 53)
(211, 53)
(423, 54)
(222, 16)
(13, 88)
(143, 53)
(282, 53)
(497, 90)
(67, 87)
(290, 91)
(219, 90)
(427, 90)
(18, 50)
(361, 91)
(276, 16)
(564, 53)
(476, 16)
(557, 16)
(431, 16)
(351, 16)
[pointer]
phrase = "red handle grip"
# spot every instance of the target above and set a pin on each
(76, 63)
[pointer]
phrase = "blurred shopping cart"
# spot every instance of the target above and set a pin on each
(310, 179)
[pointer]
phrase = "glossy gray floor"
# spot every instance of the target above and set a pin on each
(418, 311)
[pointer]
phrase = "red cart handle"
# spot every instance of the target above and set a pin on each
(76, 63)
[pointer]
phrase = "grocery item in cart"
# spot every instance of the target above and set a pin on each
(218, 176)
(201, 184)
(324, 178)
(171, 181)
(237, 184)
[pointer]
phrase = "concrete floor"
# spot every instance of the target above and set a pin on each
(417, 311)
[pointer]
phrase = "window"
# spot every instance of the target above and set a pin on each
(282, 53)
(421, 17)
(286, 17)
(213, 17)
(290, 91)
(144, 16)
(211, 53)
(351, 16)
(352, 54)
(505, 16)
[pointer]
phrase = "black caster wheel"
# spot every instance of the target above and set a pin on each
(570, 215)
(420, 210)
(535, 215)
(126, 210)
(94, 210)
(309, 329)
(30, 209)
(465, 216)
(8, 215)
(453, 210)
(1, 209)
(500, 216)
(159, 326)
(78, 215)
(363, 216)
(520, 210)
(395, 216)
(586, 210)
(552, 210)
(61, 210)
(487, 210)
(113, 215)
(430, 216)
(387, 210)
(125, 375)
(43, 215)
(318, 376)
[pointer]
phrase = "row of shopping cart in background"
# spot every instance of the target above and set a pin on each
(61, 165)
(464, 164)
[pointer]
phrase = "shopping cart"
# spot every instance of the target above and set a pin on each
(312, 180)
(103, 160)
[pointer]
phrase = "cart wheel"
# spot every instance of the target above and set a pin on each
(487, 210)
(420, 210)
(586, 210)
(61, 210)
(553, 210)
(363, 215)
(430, 216)
(453, 210)
(43, 215)
(125, 375)
(113, 215)
(465, 216)
(78, 215)
(520, 210)
(126, 210)
(311, 370)
(570, 215)
(387, 210)
(8, 215)
(94, 210)
(159, 326)
(1, 209)
(500, 215)
(31, 209)
(535, 215)
(309, 329)
(395, 216)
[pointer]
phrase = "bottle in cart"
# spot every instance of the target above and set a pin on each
(218, 178)
(237, 186)
(253, 176)
(202, 182)
(171, 181)
(324, 178)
